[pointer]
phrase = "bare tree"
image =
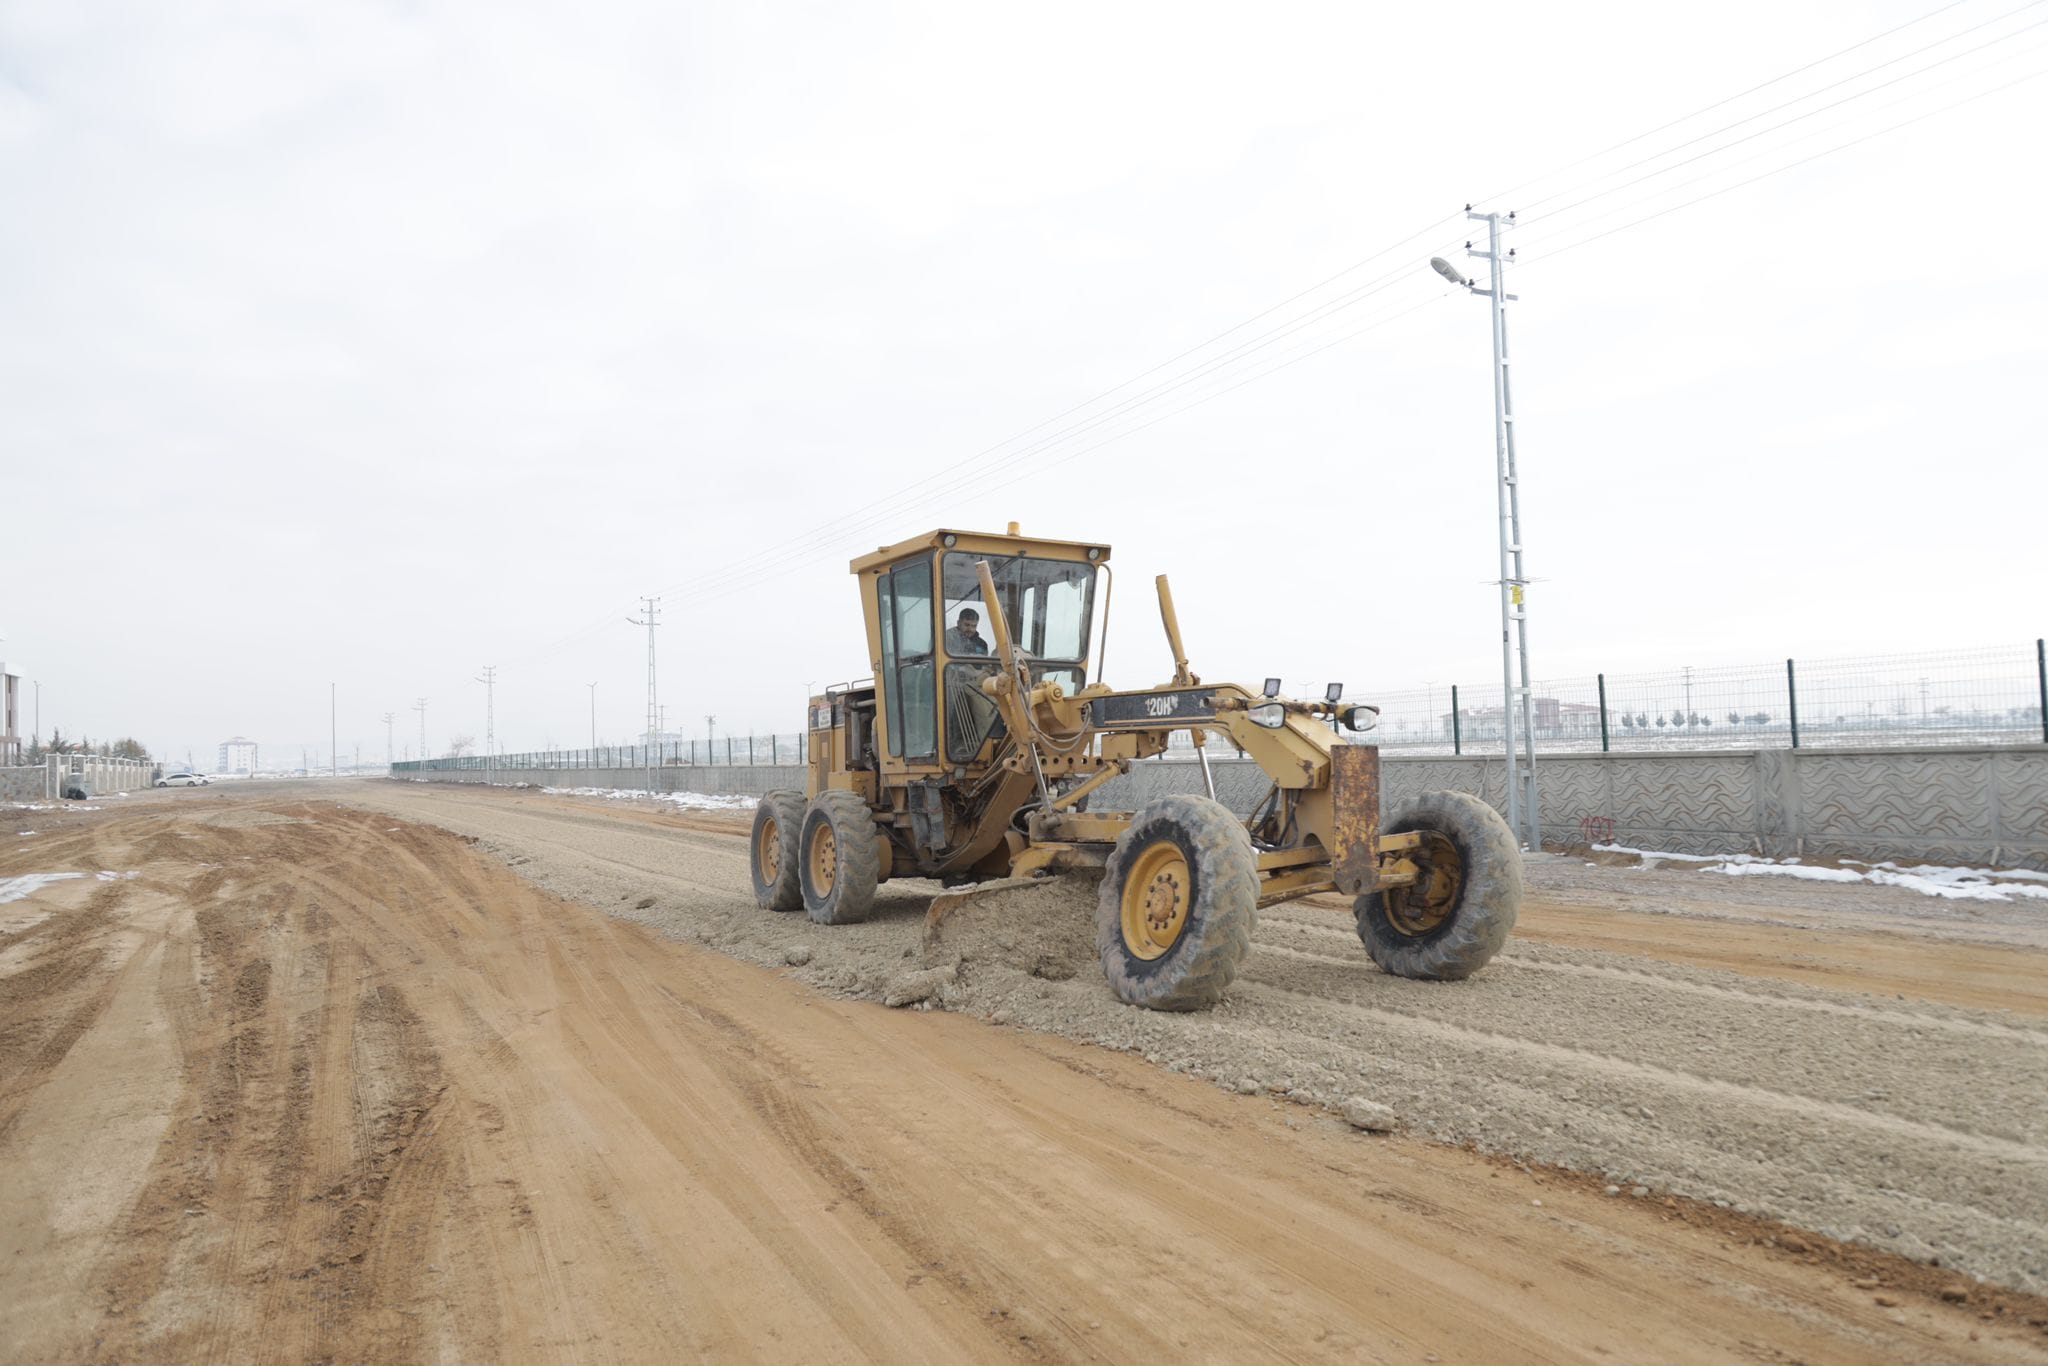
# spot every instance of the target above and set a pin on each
(460, 745)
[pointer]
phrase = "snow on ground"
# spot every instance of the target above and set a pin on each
(1928, 879)
(53, 806)
(28, 884)
(688, 801)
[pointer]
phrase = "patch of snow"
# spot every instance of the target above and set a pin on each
(28, 884)
(105, 876)
(1652, 857)
(1928, 879)
(688, 801)
(1790, 870)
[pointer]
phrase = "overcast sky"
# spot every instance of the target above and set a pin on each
(374, 344)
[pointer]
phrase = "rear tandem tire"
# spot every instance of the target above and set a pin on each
(774, 852)
(1179, 900)
(1450, 924)
(841, 859)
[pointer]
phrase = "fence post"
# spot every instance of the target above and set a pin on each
(750, 750)
(1792, 699)
(1603, 712)
(1457, 732)
(2041, 676)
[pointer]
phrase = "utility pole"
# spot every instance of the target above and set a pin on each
(710, 736)
(489, 679)
(651, 609)
(593, 718)
(333, 738)
(388, 752)
(1523, 816)
(421, 707)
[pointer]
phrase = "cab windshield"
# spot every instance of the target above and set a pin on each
(1047, 605)
(1046, 602)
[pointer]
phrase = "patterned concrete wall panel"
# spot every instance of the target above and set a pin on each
(1570, 790)
(1654, 792)
(2021, 783)
(1402, 780)
(1904, 795)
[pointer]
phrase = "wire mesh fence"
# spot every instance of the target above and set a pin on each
(724, 751)
(1996, 695)
(1991, 696)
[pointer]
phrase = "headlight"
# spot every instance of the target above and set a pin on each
(1361, 718)
(1271, 715)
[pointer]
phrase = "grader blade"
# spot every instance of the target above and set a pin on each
(952, 899)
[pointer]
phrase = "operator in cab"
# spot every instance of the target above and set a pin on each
(963, 638)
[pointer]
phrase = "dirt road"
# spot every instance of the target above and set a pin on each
(1801, 1084)
(318, 1083)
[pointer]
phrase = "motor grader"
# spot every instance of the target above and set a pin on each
(974, 761)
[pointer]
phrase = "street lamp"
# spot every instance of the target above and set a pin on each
(1448, 271)
(1514, 612)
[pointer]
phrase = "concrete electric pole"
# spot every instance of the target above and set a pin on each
(421, 707)
(388, 750)
(651, 609)
(1523, 812)
(489, 678)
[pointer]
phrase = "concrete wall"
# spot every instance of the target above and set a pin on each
(23, 784)
(740, 780)
(1972, 805)
(1967, 805)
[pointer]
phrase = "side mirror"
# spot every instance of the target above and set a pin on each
(1361, 718)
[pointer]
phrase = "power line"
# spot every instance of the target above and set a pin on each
(1714, 151)
(1790, 165)
(1567, 230)
(1722, 103)
(843, 525)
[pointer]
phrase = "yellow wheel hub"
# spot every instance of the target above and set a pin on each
(770, 851)
(824, 860)
(1156, 897)
(1418, 909)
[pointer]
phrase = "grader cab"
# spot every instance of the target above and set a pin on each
(974, 751)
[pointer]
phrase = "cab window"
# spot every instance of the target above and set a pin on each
(913, 700)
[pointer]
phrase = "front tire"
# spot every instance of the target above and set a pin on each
(841, 861)
(1454, 918)
(1179, 900)
(776, 851)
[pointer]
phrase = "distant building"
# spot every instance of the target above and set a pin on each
(237, 756)
(10, 731)
(1552, 719)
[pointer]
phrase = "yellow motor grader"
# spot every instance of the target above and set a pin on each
(972, 759)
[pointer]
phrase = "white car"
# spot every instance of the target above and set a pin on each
(183, 780)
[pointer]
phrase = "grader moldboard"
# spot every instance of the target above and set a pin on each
(975, 765)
